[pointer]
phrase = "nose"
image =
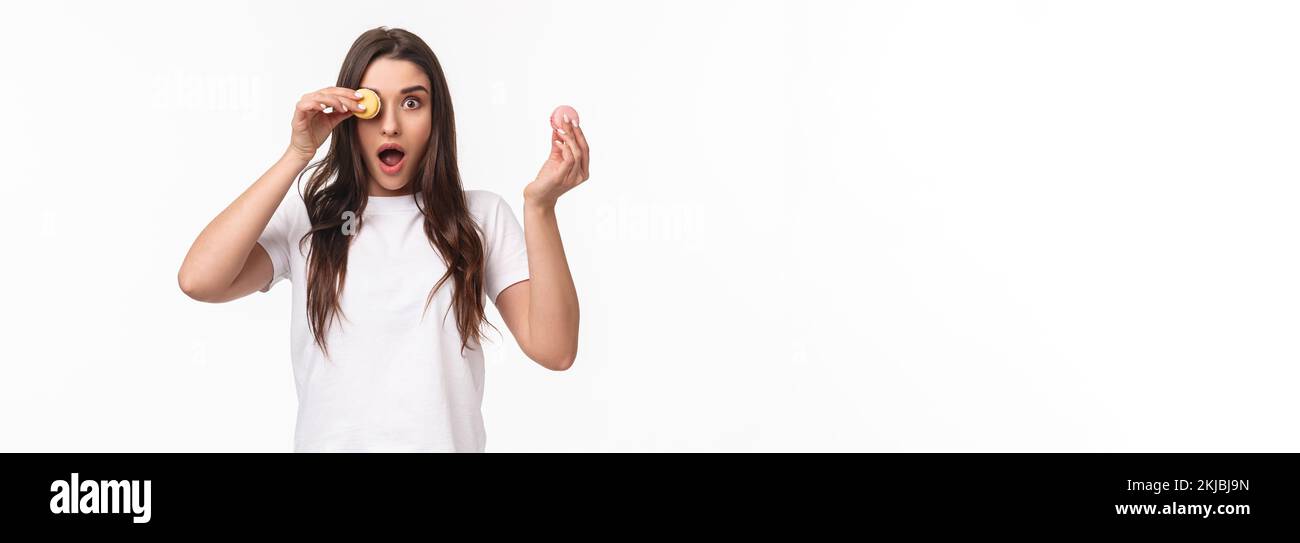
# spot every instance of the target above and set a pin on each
(389, 119)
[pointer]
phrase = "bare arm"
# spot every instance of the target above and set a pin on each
(226, 262)
(542, 313)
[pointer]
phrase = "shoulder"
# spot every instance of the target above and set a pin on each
(294, 208)
(483, 200)
(291, 216)
(486, 206)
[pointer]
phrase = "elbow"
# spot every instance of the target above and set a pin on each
(566, 357)
(564, 362)
(557, 362)
(553, 355)
(194, 288)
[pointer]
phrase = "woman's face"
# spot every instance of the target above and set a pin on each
(404, 122)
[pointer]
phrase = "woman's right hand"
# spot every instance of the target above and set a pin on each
(312, 121)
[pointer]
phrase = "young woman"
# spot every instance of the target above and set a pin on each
(390, 259)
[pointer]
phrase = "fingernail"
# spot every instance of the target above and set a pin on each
(561, 131)
(566, 119)
(575, 122)
(558, 142)
(361, 107)
(344, 106)
(358, 94)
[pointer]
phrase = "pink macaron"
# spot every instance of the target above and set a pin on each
(557, 116)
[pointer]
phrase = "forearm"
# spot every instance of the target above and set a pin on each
(218, 254)
(553, 300)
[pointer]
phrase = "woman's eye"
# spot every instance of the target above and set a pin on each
(411, 103)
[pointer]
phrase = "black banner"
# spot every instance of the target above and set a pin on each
(650, 493)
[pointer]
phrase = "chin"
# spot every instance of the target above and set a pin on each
(393, 184)
(389, 183)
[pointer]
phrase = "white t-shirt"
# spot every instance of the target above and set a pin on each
(396, 379)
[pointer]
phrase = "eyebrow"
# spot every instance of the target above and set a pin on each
(414, 88)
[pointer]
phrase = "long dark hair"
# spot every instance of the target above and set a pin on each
(339, 184)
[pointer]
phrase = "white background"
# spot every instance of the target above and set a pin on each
(810, 226)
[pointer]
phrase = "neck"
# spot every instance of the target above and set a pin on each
(375, 189)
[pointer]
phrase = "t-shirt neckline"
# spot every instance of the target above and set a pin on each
(391, 204)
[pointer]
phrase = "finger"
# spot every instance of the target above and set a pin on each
(310, 106)
(342, 91)
(567, 153)
(323, 102)
(582, 144)
(338, 103)
(556, 154)
(350, 98)
(569, 141)
(574, 174)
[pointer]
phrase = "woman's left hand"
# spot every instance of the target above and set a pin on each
(564, 169)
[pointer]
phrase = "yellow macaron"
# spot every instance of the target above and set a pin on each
(369, 99)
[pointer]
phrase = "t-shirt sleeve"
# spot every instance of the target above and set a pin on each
(507, 253)
(275, 239)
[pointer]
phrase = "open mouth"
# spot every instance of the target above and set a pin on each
(391, 157)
